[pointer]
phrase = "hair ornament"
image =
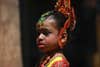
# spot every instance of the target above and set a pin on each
(64, 6)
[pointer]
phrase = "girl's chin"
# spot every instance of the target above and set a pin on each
(42, 48)
(43, 51)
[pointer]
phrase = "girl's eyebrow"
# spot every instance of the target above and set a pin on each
(44, 29)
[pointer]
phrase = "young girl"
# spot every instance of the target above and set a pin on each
(52, 34)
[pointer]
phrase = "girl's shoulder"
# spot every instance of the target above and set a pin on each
(58, 60)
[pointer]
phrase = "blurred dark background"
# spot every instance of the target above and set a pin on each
(83, 46)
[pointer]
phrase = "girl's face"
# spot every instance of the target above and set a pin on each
(47, 35)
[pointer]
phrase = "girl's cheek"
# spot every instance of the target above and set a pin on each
(51, 39)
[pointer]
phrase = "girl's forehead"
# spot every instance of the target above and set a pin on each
(47, 23)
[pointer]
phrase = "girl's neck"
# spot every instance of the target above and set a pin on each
(53, 52)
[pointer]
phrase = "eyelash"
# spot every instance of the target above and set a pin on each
(45, 33)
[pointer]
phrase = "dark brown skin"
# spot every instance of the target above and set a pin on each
(47, 39)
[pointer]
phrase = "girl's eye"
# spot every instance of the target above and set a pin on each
(46, 33)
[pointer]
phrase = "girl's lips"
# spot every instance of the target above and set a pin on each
(40, 45)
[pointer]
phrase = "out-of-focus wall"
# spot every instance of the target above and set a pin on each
(10, 48)
(97, 54)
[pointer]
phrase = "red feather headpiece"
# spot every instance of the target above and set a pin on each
(64, 6)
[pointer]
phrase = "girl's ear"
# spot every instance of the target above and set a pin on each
(64, 38)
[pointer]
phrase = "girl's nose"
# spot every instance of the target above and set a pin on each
(41, 36)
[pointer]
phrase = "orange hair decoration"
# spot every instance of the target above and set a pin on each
(65, 8)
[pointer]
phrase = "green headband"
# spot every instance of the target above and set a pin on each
(43, 17)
